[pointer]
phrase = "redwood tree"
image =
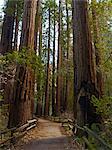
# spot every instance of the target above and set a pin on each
(67, 67)
(37, 24)
(21, 107)
(59, 64)
(84, 65)
(6, 44)
(53, 70)
(97, 41)
(47, 90)
(38, 48)
(8, 26)
(18, 16)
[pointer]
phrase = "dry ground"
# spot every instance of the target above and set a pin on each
(47, 135)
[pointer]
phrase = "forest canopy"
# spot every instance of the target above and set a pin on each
(55, 59)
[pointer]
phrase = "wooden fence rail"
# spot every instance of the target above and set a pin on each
(94, 135)
(16, 132)
(85, 129)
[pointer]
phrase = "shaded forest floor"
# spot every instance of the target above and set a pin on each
(47, 135)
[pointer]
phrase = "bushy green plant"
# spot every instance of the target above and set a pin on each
(24, 57)
(104, 108)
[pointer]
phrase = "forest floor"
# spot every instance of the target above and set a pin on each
(47, 135)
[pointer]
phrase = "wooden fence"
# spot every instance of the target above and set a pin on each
(14, 133)
(70, 125)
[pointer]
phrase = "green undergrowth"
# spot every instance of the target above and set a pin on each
(99, 136)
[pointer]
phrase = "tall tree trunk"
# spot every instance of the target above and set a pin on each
(59, 63)
(62, 64)
(38, 33)
(37, 25)
(53, 70)
(67, 67)
(96, 39)
(16, 29)
(21, 107)
(39, 82)
(7, 29)
(6, 43)
(40, 38)
(84, 64)
(47, 90)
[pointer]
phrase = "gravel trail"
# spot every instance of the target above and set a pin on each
(49, 137)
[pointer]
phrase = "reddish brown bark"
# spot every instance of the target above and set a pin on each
(38, 48)
(47, 90)
(39, 83)
(21, 107)
(53, 70)
(16, 30)
(59, 64)
(67, 67)
(96, 39)
(84, 65)
(6, 43)
(7, 29)
(37, 25)
(40, 38)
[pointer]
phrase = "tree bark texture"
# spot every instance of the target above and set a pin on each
(39, 81)
(96, 39)
(7, 29)
(37, 25)
(53, 70)
(16, 29)
(67, 67)
(47, 90)
(84, 64)
(59, 64)
(21, 107)
(38, 48)
(6, 42)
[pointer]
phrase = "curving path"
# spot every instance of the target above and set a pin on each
(49, 137)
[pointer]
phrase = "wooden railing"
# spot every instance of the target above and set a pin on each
(88, 131)
(14, 133)
(70, 124)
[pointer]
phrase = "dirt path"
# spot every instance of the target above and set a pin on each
(48, 129)
(48, 137)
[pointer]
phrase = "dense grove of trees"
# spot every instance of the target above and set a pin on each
(56, 58)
